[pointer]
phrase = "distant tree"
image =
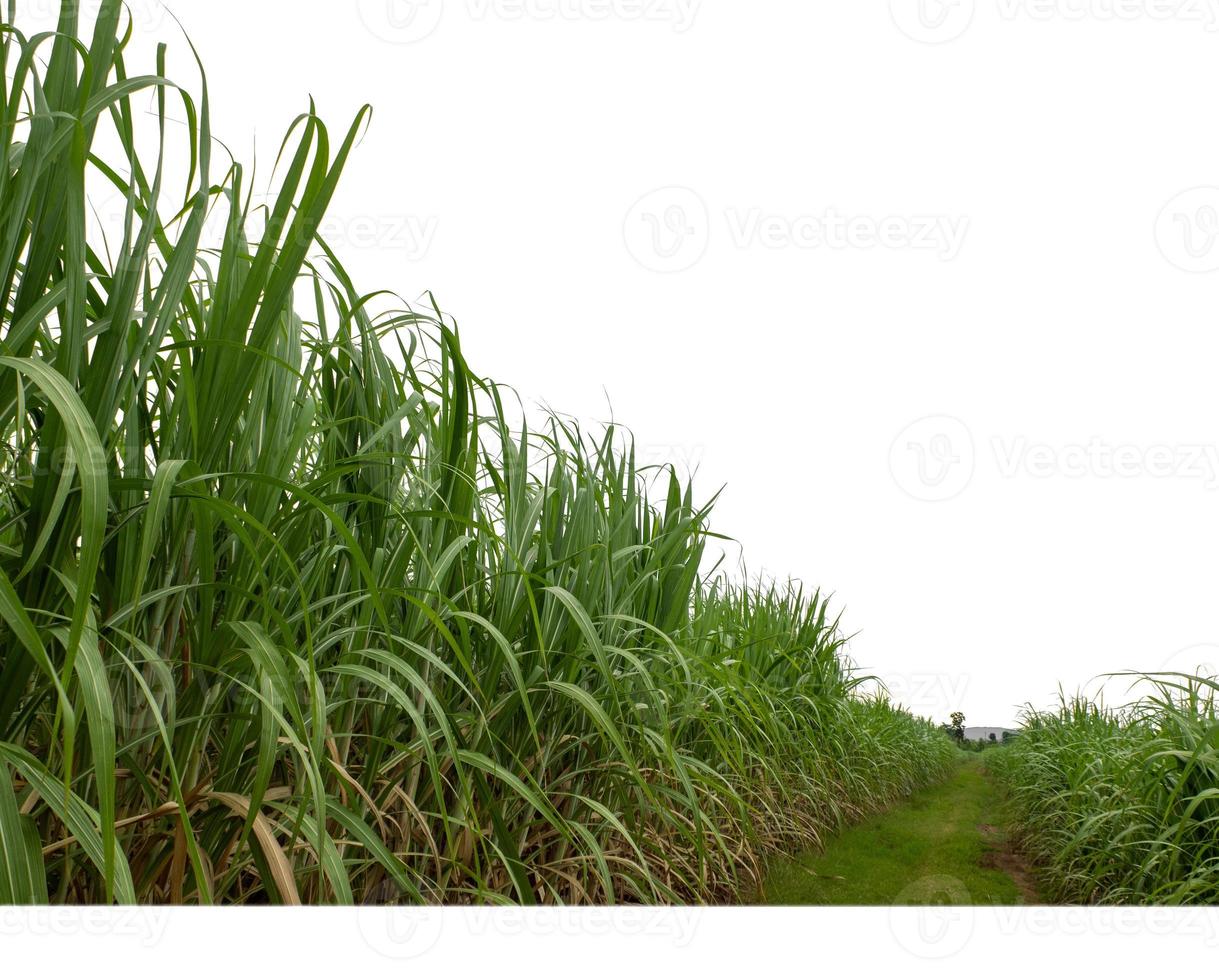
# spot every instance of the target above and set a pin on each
(957, 728)
(991, 736)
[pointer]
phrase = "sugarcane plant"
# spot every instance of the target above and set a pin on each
(297, 607)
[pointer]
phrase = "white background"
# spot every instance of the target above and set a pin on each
(644, 204)
(399, 942)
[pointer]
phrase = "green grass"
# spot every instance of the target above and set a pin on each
(294, 609)
(926, 850)
(1122, 805)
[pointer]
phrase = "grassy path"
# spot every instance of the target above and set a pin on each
(942, 846)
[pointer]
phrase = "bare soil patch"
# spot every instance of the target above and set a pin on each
(1004, 856)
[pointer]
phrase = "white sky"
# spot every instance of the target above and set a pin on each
(650, 199)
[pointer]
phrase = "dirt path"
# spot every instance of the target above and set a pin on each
(945, 845)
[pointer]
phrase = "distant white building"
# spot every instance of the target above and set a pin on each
(981, 734)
